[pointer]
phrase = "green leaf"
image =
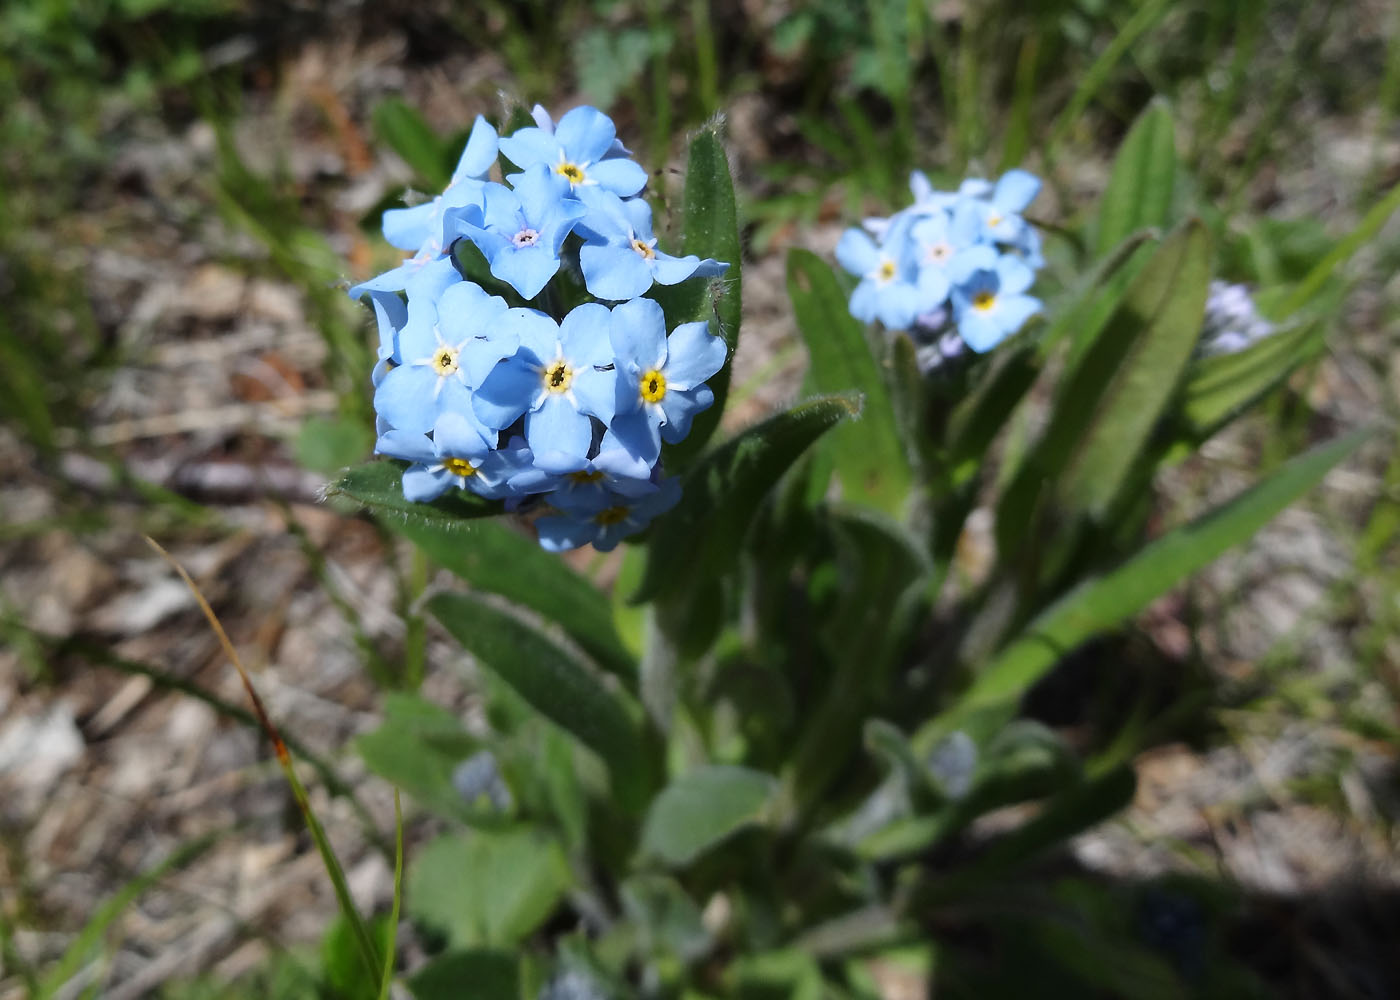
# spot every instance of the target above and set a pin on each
(378, 487)
(1107, 406)
(870, 457)
(492, 975)
(487, 887)
(1219, 387)
(665, 916)
(701, 537)
(406, 133)
(340, 959)
(1114, 399)
(1140, 188)
(1102, 602)
(328, 444)
(554, 683)
(711, 230)
(496, 559)
(417, 747)
(701, 808)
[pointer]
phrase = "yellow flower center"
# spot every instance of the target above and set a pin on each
(994, 219)
(641, 247)
(887, 270)
(445, 361)
(610, 515)
(558, 376)
(653, 386)
(572, 171)
(582, 477)
(984, 301)
(459, 467)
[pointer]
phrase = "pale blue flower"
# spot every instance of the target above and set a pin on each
(456, 455)
(519, 231)
(581, 150)
(619, 258)
(893, 289)
(989, 300)
(419, 228)
(555, 380)
(612, 519)
(660, 380)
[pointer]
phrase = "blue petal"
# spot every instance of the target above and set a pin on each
(639, 433)
(680, 409)
(933, 288)
(972, 260)
(668, 270)
(457, 436)
(638, 334)
(605, 219)
(1014, 310)
(467, 310)
(865, 302)
(857, 253)
(1015, 190)
(584, 335)
(622, 177)
(693, 354)
(586, 134)
(557, 426)
(409, 228)
(537, 334)
(405, 398)
(410, 446)
(980, 331)
(596, 392)
(1013, 275)
(899, 304)
(506, 393)
(526, 269)
(528, 146)
(479, 152)
(559, 534)
(614, 272)
(420, 485)
(639, 217)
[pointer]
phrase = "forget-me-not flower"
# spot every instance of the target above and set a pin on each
(581, 150)
(556, 379)
(893, 288)
(608, 521)
(619, 258)
(419, 228)
(660, 380)
(520, 231)
(989, 300)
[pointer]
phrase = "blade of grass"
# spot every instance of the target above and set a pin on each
(1097, 74)
(1346, 246)
(390, 945)
(91, 935)
(12, 960)
(365, 943)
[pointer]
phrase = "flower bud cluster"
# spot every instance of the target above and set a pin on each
(546, 378)
(960, 260)
(1232, 323)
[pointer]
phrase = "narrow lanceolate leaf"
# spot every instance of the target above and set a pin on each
(378, 486)
(869, 454)
(702, 808)
(496, 559)
(700, 538)
(711, 230)
(405, 131)
(1218, 388)
(1107, 405)
(554, 683)
(1101, 603)
(1365, 230)
(1139, 193)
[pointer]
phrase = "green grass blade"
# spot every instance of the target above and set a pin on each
(98, 924)
(1369, 226)
(364, 942)
(1098, 72)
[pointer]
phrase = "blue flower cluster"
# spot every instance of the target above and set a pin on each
(961, 259)
(1232, 322)
(520, 400)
